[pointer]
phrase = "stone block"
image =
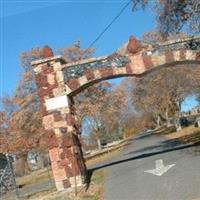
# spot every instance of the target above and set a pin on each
(41, 80)
(158, 60)
(76, 180)
(59, 77)
(71, 120)
(90, 75)
(177, 56)
(57, 102)
(67, 89)
(182, 53)
(129, 69)
(57, 66)
(147, 62)
(59, 174)
(119, 71)
(59, 91)
(137, 64)
(54, 154)
(51, 79)
(59, 185)
(73, 84)
(83, 80)
(57, 116)
(169, 56)
(65, 110)
(38, 69)
(59, 124)
(48, 122)
(198, 55)
(97, 74)
(106, 72)
(134, 46)
(66, 183)
(67, 141)
(190, 55)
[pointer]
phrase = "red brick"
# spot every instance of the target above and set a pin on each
(54, 154)
(198, 56)
(47, 69)
(106, 72)
(67, 152)
(57, 116)
(45, 92)
(182, 54)
(47, 52)
(73, 84)
(60, 174)
(44, 111)
(169, 56)
(128, 69)
(67, 141)
(62, 155)
(64, 162)
(55, 165)
(89, 74)
(41, 80)
(48, 91)
(75, 166)
(53, 141)
(70, 119)
(69, 171)
(147, 62)
(134, 46)
(66, 183)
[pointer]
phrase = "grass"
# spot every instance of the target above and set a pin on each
(189, 135)
(35, 177)
(165, 130)
(95, 191)
(43, 175)
(103, 157)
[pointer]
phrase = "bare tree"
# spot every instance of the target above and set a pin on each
(163, 91)
(174, 16)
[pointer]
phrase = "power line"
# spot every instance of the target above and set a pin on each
(110, 24)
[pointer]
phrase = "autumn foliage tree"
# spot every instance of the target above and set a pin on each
(101, 107)
(173, 16)
(162, 92)
(21, 119)
(75, 52)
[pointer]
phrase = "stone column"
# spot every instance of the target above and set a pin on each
(59, 121)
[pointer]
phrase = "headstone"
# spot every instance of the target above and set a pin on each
(197, 122)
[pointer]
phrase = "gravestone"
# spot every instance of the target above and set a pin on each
(7, 179)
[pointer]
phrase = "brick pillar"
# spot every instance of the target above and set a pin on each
(60, 123)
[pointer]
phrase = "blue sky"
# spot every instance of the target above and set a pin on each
(27, 24)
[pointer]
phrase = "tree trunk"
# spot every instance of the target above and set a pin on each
(99, 143)
(178, 128)
(158, 121)
(167, 117)
(178, 125)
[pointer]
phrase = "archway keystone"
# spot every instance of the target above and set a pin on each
(58, 82)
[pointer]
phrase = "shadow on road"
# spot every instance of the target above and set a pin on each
(164, 145)
(168, 147)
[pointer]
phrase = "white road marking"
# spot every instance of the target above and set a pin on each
(160, 168)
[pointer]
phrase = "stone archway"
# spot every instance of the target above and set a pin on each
(58, 82)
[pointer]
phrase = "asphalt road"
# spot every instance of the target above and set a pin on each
(126, 178)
